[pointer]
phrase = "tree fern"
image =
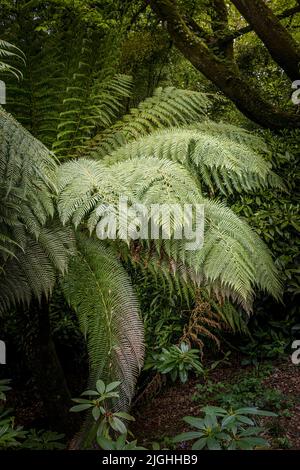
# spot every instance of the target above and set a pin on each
(232, 261)
(36, 249)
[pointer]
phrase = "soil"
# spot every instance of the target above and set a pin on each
(161, 417)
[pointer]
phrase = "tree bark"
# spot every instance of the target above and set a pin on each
(288, 13)
(222, 73)
(281, 45)
(219, 23)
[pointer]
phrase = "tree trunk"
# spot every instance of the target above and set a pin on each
(288, 13)
(222, 73)
(47, 370)
(281, 45)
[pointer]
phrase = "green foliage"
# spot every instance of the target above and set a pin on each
(4, 387)
(222, 161)
(10, 434)
(10, 52)
(163, 149)
(276, 220)
(284, 442)
(88, 106)
(232, 259)
(58, 66)
(223, 360)
(251, 392)
(248, 390)
(119, 444)
(13, 435)
(265, 344)
(162, 300)
(43, 251)
(33, 247)
(106, 421)
(178, 361)
(98, 298)
(222, 429)
(162, 327)
(43, 440)
(167, 107)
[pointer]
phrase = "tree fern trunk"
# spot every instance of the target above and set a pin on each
(47, 370)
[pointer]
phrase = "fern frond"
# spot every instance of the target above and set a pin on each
(7, 52)
(232, 132)
(232, 261)
(89, 107)
(35, 249)
(32, 270)
(219, 162)
(99, 290)
(166, 108)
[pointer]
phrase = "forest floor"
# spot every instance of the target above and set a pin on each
(272, 387)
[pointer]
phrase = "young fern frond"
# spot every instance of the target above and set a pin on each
(166, 108)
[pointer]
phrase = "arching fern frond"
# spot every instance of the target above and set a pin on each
(32, 270)
(99, 290)
(166, 108)
(220, 162)
(88, 107)
(232, 261)
(34, 249)
(9, 52)
(236, 133)
(27, 168)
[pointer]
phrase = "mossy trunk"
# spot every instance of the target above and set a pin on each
(281, 45)
(223, 73)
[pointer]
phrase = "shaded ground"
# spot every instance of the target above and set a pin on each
(161, 417)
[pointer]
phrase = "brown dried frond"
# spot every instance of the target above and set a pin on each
(201, 319)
